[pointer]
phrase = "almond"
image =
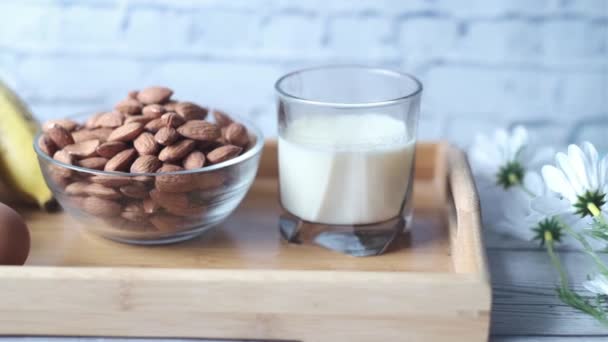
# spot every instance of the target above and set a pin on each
(191, 111)
(154, 94)
(236, 134)
(135, 190)
(92, 121)
(96, 163)
(60, 136)
(170, 106)
(194, 160)
(172, 119)
(110, 120)
(101, 191)
(77, 189)
(134, 212)
(129, 106)
(138, 118)
(176, 151)
(69, 125)
(153, 111)
(199, 130)
(146, 164)
(101, 134)
(132, 94)
(64, 157)
(167, 223)
(155, 125)
(169, 199)
(47, 145)
(121, 161)
(209, 181)
(145, 144)
(126, 132)
(173, 182)
(150, 207)
(221, 119)
(83, 149)
(223, 153)
(101, 207)
(166, 135)
(111, 181)
(111, 148)
(207, 146)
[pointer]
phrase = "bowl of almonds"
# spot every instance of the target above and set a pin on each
(152, 170)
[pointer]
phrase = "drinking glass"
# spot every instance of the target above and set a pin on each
(347, 139)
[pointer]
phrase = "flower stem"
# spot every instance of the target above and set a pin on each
(563, 278)
(596, 212)
(586, 246)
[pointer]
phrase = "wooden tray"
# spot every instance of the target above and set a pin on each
(243, 282)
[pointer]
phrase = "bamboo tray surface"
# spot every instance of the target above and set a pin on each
(250, 238)
(241, 281)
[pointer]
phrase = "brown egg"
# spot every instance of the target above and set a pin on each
(14, 237)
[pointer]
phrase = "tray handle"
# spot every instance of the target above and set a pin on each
(465, 216)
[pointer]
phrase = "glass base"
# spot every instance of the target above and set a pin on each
(355, 240)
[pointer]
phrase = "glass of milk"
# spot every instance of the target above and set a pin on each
(347, 138)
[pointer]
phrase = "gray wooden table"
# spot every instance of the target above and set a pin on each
(525, 306)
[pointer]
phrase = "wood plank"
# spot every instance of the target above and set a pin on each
(524, 299)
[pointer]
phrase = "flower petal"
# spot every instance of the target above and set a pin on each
(597, 285)
(550, 205)
(580, 165)
(556, 181)
(518, 141)
(564, 164)
(534, 183)
(603, 174)
(593, 160)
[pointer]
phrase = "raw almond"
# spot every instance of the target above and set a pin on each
(194, 160)
(236, 134)
(83, 149)
(223, 153)
(150, 207)
(154, 94)
(60, 136)
(102, 191)
(167, 223)
(209, 181)
(146, 144)
(135, 190)
(96, 163)
(190, 111)
(64, 157)
(199, 130)
(172, 119)
(166, 135)
(221, 119)
(207, 146)
(155, 125)
(101, 207)
(110, 120)
(129, 106)
(138, 118)
(47, 145)
(101, 134)
(135, 216)
(121, 161)
(132, 94)
(169, 199)
(111, 181)
(170, 106)
(146, 164)
(176, 151)
(126, 132)
(69, 125)
(92, 121)
(173, 182)
(77, 189)
(153, 111)
(111, 148)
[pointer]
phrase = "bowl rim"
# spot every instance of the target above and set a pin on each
(252, 152)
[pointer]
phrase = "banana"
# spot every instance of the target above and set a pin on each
(19, 166)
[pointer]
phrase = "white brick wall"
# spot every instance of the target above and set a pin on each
(485, 63)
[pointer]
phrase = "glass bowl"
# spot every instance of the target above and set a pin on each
(138, 209)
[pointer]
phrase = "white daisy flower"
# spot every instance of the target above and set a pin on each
(581, 178)
(597, 285)
(505, 157)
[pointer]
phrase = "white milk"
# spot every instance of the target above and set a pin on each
(345, 169)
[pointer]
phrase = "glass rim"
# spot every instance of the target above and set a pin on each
(253, 151)
(403, 75)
